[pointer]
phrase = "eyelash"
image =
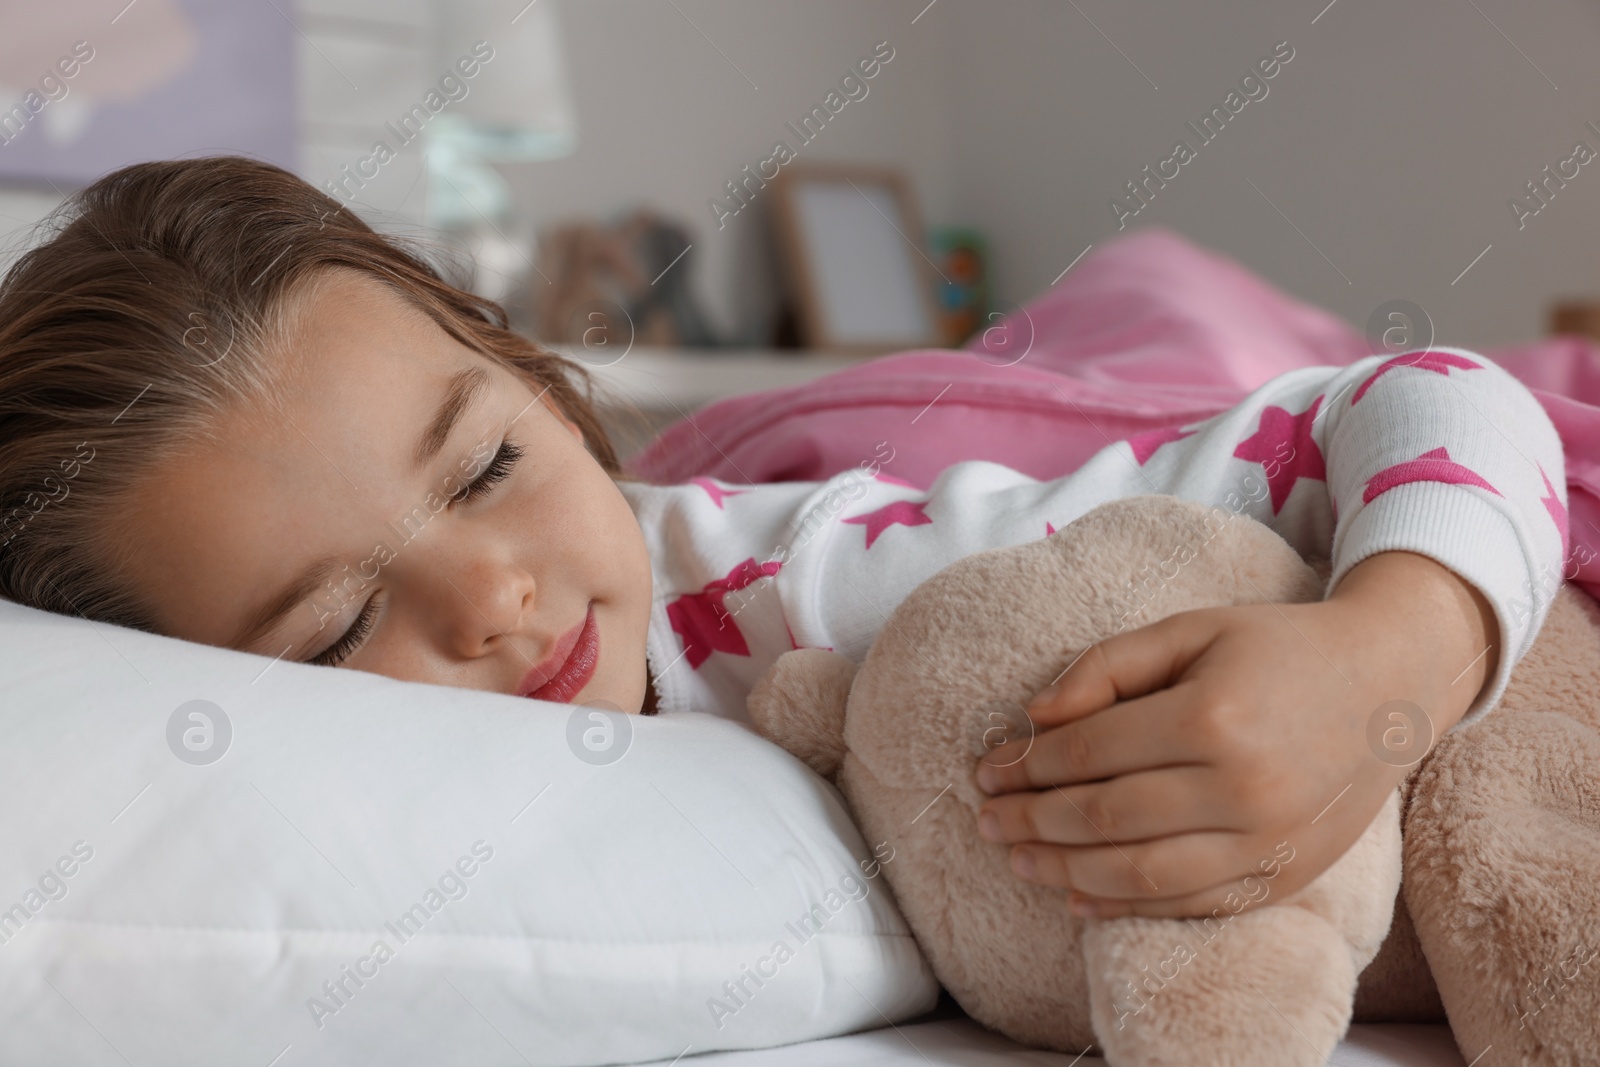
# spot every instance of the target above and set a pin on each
(497, 471)
(337, 652)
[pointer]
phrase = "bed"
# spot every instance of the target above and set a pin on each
(203, 846)
(953, 1040)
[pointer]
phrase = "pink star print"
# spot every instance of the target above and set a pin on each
(1438, 362)
(704, 624)
(715, 491)
(1552, 504)
(1144, 445)
(1432, 466)
(903, 512)
(1048, 529)
(1284, 447)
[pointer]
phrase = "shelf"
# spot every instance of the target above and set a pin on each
(675, 381)
(647, 389)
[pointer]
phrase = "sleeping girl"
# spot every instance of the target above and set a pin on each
(232, 413)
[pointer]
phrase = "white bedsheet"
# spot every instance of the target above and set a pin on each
(960, 1042)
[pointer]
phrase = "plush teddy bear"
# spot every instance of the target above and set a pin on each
(1274, 986)
(1502, 861)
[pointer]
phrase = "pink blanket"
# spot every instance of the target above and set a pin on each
(1148, 331)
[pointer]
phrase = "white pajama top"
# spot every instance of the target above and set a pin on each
(1440, 452)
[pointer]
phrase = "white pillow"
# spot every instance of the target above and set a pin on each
(165, 910)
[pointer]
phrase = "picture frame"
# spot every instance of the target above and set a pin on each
(857, 272)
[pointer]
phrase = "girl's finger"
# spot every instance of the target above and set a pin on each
(1131, 808)
(1125, 665)
(1140, 734)
(1163, 869)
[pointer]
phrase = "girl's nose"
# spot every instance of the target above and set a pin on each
(481, 600)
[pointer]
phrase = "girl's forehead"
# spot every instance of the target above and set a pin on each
(343, 328)
(360, 371)
(342, 301)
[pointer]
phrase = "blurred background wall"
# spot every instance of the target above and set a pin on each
(1380, 165)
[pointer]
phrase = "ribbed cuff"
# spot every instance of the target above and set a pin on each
(1473, 534)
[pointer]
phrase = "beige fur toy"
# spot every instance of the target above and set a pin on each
(1272, 986)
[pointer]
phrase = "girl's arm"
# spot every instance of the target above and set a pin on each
(1445, 454)
(1195, 745)
(1442, 453)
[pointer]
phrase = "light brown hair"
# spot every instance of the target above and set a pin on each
(150, 313)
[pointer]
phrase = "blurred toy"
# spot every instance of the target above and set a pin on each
(963, 293)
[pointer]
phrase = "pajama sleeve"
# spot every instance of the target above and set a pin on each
(1445, 454)
(1441, 452)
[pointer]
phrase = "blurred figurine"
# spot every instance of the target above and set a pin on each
(663, 248)
(601, 286)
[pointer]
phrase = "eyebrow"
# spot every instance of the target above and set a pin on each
(264, 618)
(461, 392)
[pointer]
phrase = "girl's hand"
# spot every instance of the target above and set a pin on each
(1171, 762)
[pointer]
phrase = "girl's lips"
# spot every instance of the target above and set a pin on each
(569, 666)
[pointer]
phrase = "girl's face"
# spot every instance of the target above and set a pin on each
(372, 523)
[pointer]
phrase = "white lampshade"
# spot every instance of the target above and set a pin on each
(518, 107)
